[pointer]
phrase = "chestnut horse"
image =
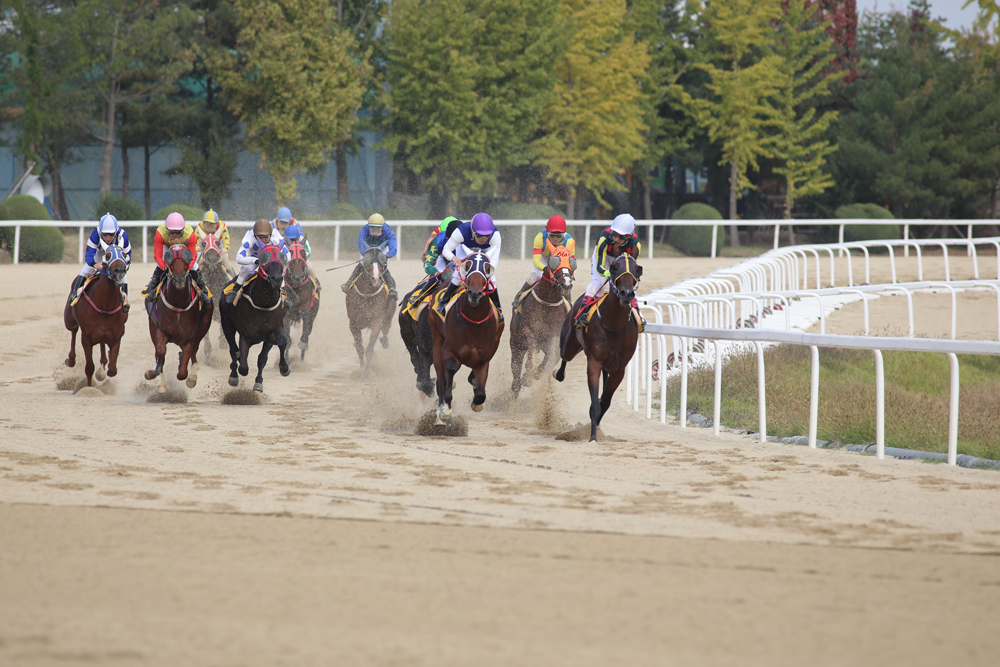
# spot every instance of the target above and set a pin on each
(216, 276)
(536, 324)
(302, 293)
(609, 341)
(100, 316)
(258, 315)
(368, 305)
(178, 316)
(469, 335)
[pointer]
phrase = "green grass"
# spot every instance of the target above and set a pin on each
(916, 397)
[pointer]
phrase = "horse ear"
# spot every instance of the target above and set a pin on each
(572, 263)
(638, 271)
(168, 257)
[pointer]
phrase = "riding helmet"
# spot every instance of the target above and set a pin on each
(446, 222)
(262, 227)
(175, 222)
(284, 214)
(108, 224)
(624, 224)
(482, 224)
(376, 220)
(293, 232)
(211, 217)
(556, 224)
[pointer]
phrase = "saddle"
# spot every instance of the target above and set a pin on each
(418, 300)
(459, 292)
(531, 291)
(588, 314)
(231, 285)
(79, 293)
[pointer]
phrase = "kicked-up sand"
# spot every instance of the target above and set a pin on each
(316, 526)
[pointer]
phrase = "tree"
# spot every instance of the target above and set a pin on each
(129, 50)
(736, 112)
(466, 83)
(801, 143)
(293, 83)
(593, 123)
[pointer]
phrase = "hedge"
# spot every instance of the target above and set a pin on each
(522, 211)
(123, 208)
(38, 244)
(854, 233)
(192, 214)
(693, 241)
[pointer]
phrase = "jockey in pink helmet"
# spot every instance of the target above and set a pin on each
(175, 231)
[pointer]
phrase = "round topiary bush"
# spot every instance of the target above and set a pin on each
(522, 211)
(348, 212)
(693, 241)
(20, 207)
(123, 208)
(42, 244)
(192, 214)
(854, 233)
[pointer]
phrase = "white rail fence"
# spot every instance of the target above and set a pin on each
(526, 228)
(772, 293)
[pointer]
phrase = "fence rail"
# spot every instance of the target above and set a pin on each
(524, 225)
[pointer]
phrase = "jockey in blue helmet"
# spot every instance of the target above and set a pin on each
(106, 233)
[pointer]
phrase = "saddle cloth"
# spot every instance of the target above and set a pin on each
(530, 291)
(459, 292)
(163, 281)
(416, 303)
(83, 288)
(593, 309)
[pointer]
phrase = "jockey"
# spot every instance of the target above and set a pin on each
(175, 231)
(376, 234)
(211, 224)
(434, 245)
(546, 241)
(263, 234)
(283, 220)
(480, 235)
(293, 232)
(619, 238)
(107, 233)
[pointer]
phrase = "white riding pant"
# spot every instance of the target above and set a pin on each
(534, 276)
(598, 283)
(246, 270)
(88, 271)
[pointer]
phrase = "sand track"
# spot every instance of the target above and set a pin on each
(326, 445)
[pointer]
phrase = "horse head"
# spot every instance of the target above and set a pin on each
(373, 262)
(297, 271)
(178, 258)
(271, 265)
(115, 264)
(211, 252)
(561, 268)
(476, 273)
(625, 274)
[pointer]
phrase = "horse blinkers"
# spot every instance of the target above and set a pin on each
(115, 265)
(626, 295)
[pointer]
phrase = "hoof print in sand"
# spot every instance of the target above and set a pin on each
(457, 427)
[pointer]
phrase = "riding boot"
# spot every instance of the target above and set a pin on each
(76, 286)
(350, 281)
(153, 282)
(125, 304)
(237, 288)
(524, 288)
(200, 281)
(445, 298)
(391, 283)
(581, 317)
(495, 298)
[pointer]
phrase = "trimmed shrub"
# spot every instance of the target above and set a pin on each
(192, 214)
(693, 241)
(867, 232)
(392, 213)
(20, 207)
(348, 212)
(123, 208)
(42, 244)
(522, 211)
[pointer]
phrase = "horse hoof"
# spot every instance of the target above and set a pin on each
(285, 372)
(70, 362)
(385, 343)
(438, 422)
(477, 408)
(191, 382)
(303, 345)
(162, 389)
(99, 375)
(555, 376)
(525, 382)
(257, 386)
(149, 375)
(233, 381)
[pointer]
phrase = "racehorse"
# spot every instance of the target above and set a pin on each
(469, 335)
(609, 341)
(258, 315)
(100, 316)
(178, 316)
(416, 335)
(302, 293)
(368, 305)
(216, 276)
(536, 325)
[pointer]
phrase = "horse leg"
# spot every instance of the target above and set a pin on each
(549, 352)
(183, 361)
(594, 384)
(88, 354)
(71, 359)
(370, 350)
(192, 379)
(451, 367)
(283, 343)
(234, 351)
(481, 372)
(265, 347)
(159, 353)
(244, 366)
(560, 373)
(100, 374)
(611, 382)
(517, 345)
(390, 310)
(113, 358)
(358, 344)
(306, 330)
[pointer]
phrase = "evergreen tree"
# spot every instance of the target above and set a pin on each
(593, 122)
(466, 83)
(293, 83)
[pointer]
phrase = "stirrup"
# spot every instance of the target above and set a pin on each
(345, 288)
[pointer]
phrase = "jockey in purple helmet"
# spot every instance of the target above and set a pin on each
(480, 235)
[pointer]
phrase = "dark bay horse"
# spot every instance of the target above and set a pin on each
(302, 293)
(258, 315)
(416, 335)
(368, 305)
(216, 276)
(178, 316)
(469, 335)
(609, 341)
(100, 316)
(536, 324)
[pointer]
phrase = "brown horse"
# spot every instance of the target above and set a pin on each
(302, 293)
(100, 316)
(178, 316)
(609, 341)
(537, 321)
(258, 315)
(469, 335)
(216, 276)
(369, 307)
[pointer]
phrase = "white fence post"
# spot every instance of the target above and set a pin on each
(761, 394)
(336, 243)
(813, 396)
(80, 249)
(879, 405)
(953, 412)
(17, 243)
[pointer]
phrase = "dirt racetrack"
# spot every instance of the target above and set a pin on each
(318, 528)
